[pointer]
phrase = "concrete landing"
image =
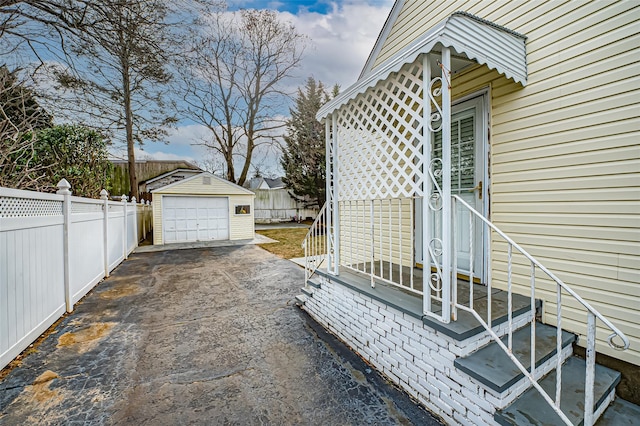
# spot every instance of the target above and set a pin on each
(411, 303)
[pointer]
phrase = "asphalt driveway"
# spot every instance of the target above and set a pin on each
(199, 336)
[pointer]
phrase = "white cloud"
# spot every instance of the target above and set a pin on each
(341, 40)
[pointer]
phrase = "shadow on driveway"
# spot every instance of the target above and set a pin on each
(200, 336)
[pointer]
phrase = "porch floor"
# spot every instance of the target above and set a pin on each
(465, 326)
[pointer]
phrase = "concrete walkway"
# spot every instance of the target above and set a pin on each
(257, 239)
(199, 336)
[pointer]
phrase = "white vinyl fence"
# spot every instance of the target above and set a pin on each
(54, 248)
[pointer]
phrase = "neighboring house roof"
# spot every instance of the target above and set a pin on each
(469, 36)
(274, 183)
(237, 189)
(167, 178)
(256, 183)
(265, 183)
(167, 174)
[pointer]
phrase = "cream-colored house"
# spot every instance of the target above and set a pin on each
(497, 142)
(202, 207)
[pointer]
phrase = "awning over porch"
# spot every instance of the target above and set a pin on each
(468, 36)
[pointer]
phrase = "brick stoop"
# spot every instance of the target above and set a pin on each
(456, 370)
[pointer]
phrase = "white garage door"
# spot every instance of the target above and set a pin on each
(195, 219)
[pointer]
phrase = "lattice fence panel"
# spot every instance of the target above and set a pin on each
(29, 207)
(379, 137)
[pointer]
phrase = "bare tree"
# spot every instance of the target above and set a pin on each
(110, 60)
(121, 74)
(41, 25)
(234, 75)
(20, 118)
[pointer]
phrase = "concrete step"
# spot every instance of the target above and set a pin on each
(314, 282)
(307, 291)
(620, 413)
(493, 368)
(301, 299)
(467, 325)
(531, 409)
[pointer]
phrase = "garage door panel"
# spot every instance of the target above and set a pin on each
(195, 218)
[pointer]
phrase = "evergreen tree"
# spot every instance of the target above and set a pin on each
(303, 158)
(77, 154)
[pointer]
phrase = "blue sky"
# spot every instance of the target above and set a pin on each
(293, 7)
(342, 34)
(301, 6)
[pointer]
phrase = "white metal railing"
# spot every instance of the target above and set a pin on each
(592, 315)
(378, 240)
(315, 243)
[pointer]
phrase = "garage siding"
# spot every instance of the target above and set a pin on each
(240, 226)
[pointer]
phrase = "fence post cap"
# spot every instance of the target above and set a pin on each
(104, 194)
(133, 200)
(123, 197)
(64, 187)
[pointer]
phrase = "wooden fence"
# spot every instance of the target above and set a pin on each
(54, 248)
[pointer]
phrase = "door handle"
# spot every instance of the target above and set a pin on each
(478, 188)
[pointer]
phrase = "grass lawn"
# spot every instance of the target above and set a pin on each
(289, 243)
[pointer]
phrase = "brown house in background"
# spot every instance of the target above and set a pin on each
(145, 170)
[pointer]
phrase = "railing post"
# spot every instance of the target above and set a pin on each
(591, 369)
(335, 208)
(104, 196)
(426, 185)
(446, 184)
(372, 245)
(124, 244)
(64, 189)
(306, 264)
(454, 266)
(328, 195)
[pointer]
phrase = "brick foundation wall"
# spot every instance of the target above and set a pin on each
(411, 354)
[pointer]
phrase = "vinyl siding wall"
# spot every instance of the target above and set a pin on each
(240, 226)
(565, 149)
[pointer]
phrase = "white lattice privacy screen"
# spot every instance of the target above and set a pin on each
(28, 207)
(379, 139)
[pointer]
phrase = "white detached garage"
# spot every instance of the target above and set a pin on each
(203, 207)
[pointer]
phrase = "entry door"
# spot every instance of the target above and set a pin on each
(468, 172)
